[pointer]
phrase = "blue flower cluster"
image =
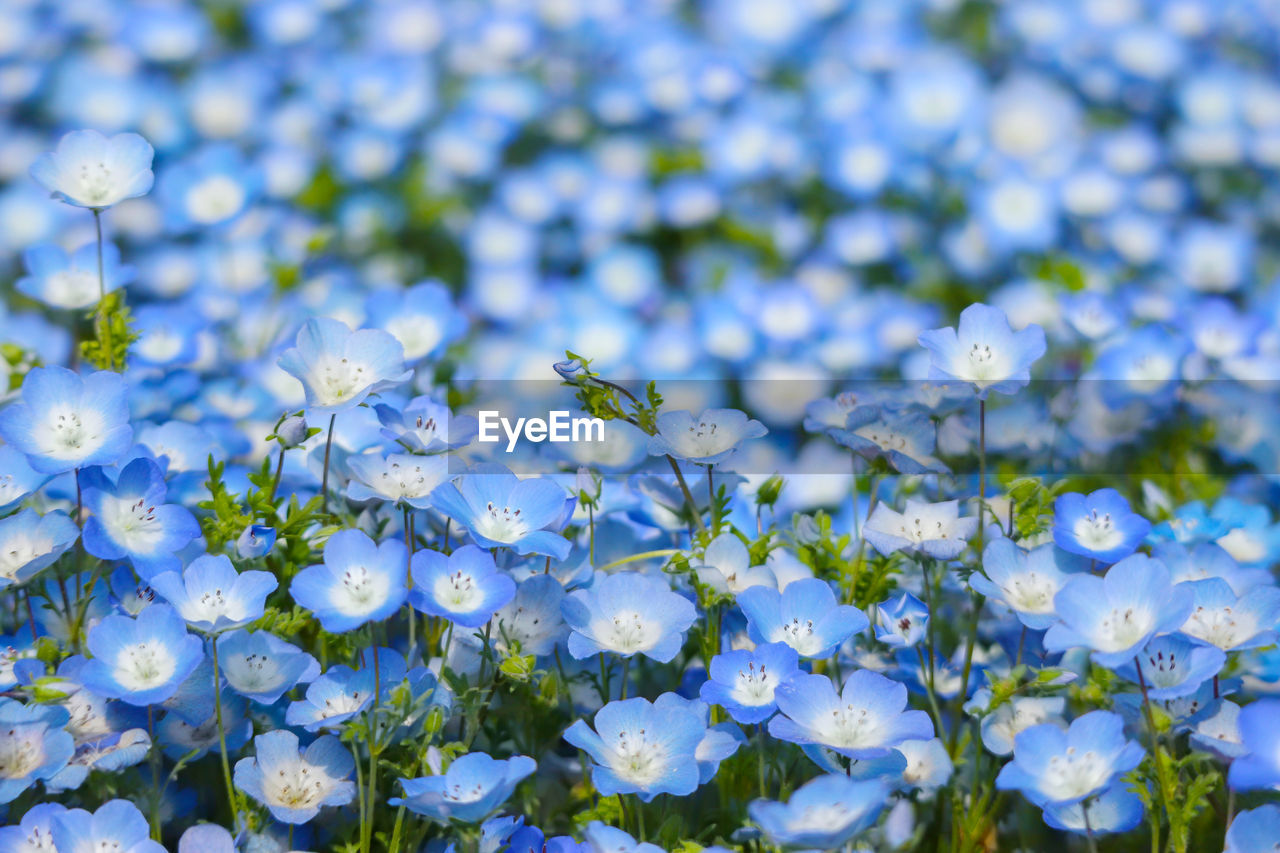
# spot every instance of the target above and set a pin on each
(934, 344)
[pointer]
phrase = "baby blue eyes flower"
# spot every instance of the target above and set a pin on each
(1118, 614)
(1117, 809)
(1099, 525)
(984, 351)
(1254, 831)
(712, 438)
(360, 581)
(866, 720)
(70, 281)
(932, 529)
(1232, 622)
(902, 621)
(464, 587)
(726, 567)
(261, 666)
(212, 597)
(294, 785)
(823, 814)
(18, 480)
(131, 520)
(743, 682)
(65, 421)
(906, 439)
(34, 745)
(255, 541)
(626, 614)
(90, 170)
(141, 661)
(1026, 582)
(500, 510)
(1259, 767)
(1055, 767)
(1174, 666)
(116, 825)
(643, 748)
(401, 478)
(206, 838)
(473, 787)
(339, 368)
(1000, 726)
(805, 616)
(30, 543)
(426, 426)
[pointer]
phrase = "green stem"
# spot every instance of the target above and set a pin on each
(324, 480)
(222, 737)
(408, 578)
(688, 496)
(103, 319)
(635, 558)
(626, 666)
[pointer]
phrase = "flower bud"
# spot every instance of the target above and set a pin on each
(292, 431)
(255, 541)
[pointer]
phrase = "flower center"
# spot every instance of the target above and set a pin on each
(501, 524)
(754, 685)
(144, 665)
(1098, 532)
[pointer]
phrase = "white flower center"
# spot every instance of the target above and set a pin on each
(458, 592)
(68, 432)
(754, 686)
(1121, 629)
(21, 549)
(253, 673)
(338, 379)
(627, 632)
(850, 727)
(21, 751)
(799, 635)
(361, 590)
(134, 521)
(1074, 774)
(144, 665)
(403, 481)
(501, 524)
(637, 759)
(96, 183)
(1220, 626)
(1030, 593)
(1098, 532)
(301, 786)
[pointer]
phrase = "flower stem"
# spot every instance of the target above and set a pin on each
(222, 737)
(104, 320)
(688, 496)
(324, 481)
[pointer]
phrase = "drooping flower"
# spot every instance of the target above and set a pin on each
(500, 510)
(933, 529)
(906, 439)
(1052, 766)
(294, 785)
(65, 421)
(902, 621)
(426, 426)
(866, 720)
(1118, 614)
(339, 368)
(116, 825)
(141, 661)
(34, 745)
(642, 748)
(401, 478)
(805, 616)
(823, 814)
(90, 170)
(712, 438)
(743, 682)
(30, 543)
(212, 596)
(255, 541)
(984, 351)
(1099, 525)
(343, 692)
(360, 581)
(1025, 581)
(260, 666)
(130, 519)
(464, 587)
(627, 613)
(474, 786)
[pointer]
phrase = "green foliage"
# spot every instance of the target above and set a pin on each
(112, 334)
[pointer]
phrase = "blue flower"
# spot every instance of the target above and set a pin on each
(805, 616)
(502, 511)
(866, 720)
(984, 351)
(339, 368)
(934, 529)
(726, 566)
(34, 834)
(1053, 767)
(65, 421)
(206, 838)
(70, 281)
(1173, 666)
(30, 543)
(1232, 622)
(643, 748)
(1255, 830)
(464, 587)
(627, 613)
(1259, 767)
(210, 187)
(743, 682)
(1026, 582)
(35, 743)
(400, 477)
(116, 825)
(1099, 525)
(906, 439)
(601, 838)
(1118, 614)
(474, 786)
(360, 581)
(294, 785)
(131, 520)
(212, 597)
(261, 666)
(902, 621)
(343, 692)
(823, 814)
(1116, 809)
(422, 317)
(712, 438)
(255, 541)
(1001, 725)
(426, 426)
(18, 479)
(141, 661)
(90, 170)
